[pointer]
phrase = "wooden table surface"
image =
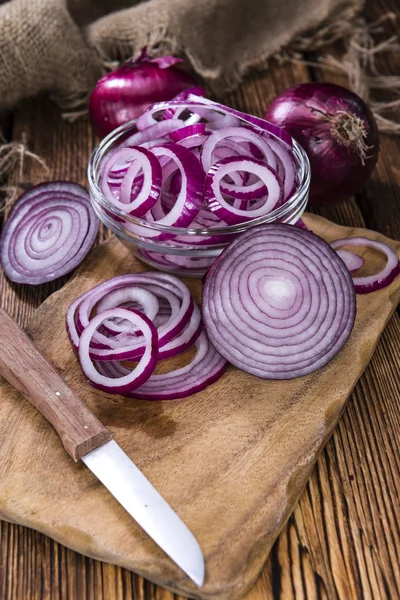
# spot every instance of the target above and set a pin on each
(343, 539)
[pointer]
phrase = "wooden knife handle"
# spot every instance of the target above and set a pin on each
(33, 376)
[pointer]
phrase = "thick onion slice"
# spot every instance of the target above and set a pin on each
(217, 204)
(188, 132)
(238, 133)
(190, 197)
(278, 303)
(206, 367)
(49, 231)
(137, 160)
(131, 379)
(352, 261)
(121, 296)
(186, 339)
(128, 288)
(372, 283)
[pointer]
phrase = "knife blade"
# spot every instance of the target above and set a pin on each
(130, 487)
(85, 438)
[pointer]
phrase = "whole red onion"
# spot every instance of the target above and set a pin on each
(338, 132)
(125, 93)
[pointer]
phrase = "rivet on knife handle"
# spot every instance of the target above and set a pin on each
(34, 377)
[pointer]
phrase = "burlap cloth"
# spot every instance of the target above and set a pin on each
(60, 46)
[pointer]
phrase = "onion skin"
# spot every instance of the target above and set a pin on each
(124, 94)
(315, 115)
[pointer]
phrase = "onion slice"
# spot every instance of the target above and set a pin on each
(48, 233)
(372, 283)
(352, 261)
(190, 197)
(206, 367)
(278, 303)
(217, 204)
(162, 182)
(238, 133)
(134, 160)
(131, 379)
(128, 288)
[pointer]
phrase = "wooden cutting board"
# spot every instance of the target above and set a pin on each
(231, 460)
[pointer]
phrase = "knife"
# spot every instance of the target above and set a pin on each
(85, 438)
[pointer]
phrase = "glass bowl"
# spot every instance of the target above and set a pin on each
(181, 251)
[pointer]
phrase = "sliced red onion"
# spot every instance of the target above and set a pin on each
(182, 97)
(235, 132)
(352, 261)
(285, 157)
(156, 131)
(147, 301)
(140, 160)
(178, 200)
(300, 223)
(278, 303)
(187, 132)
(372, 283)
(186, 339)
(147, 363)
(48, 233)
(266, 126)
(190, 197)
(206, 367)
(231, 215)
(129, 347)
(146, 162)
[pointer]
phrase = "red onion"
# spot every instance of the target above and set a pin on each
(300, 223)
(338, 132)
(190, 196)
(264, 124)
(104, 326)
(278, 303)
(218, 170)
(205, 368)
(352, 261)
(48, 233)
(161, 286)
(125, 93)
(131, 379)
(134, 161)
(231, 215)
(371, 283)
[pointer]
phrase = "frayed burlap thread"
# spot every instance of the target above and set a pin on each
(13, 157)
